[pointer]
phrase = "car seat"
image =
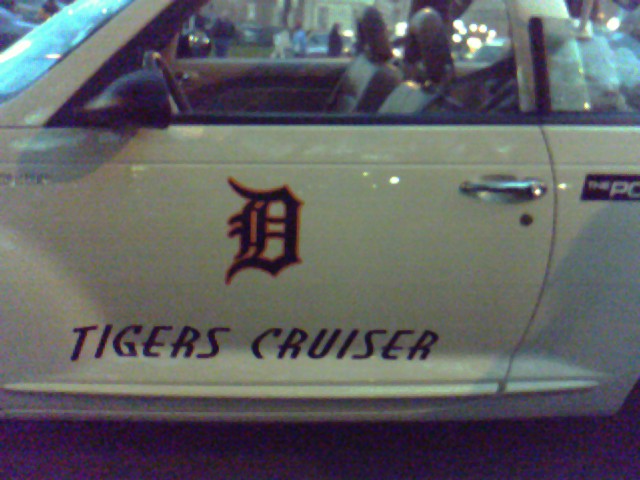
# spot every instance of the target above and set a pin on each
(370, 78)
(428, 65)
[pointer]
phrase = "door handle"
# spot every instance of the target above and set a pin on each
(504, 189)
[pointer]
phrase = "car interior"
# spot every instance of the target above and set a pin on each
(374, 81)
(371, 77)
(431, 76)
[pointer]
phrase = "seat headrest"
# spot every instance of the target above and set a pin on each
(427, 46)
(374, 40)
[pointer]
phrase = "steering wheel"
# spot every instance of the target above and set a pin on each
(154, 61)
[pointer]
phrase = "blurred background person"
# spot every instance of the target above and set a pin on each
(282, 44)
(223, 33)
(299, 40)
(335, 41)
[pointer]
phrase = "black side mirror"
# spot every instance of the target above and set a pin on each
(138, 99)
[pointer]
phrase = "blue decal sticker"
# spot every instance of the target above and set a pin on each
(611, 188)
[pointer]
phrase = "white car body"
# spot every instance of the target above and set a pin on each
(118, 245)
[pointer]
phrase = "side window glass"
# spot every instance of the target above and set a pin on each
(277, 30)
(467, 66)
(35, 38)
(485, 66)
(289, 57)
(347, 57)
(593, 58)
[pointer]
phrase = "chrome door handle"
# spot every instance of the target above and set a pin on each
(504, 189)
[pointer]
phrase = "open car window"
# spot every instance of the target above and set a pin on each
(326, 59)
(317, 62)
(234, 59)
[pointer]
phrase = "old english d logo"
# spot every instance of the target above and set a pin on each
(257, 226)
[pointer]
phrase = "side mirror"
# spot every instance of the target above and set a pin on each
(137, 99)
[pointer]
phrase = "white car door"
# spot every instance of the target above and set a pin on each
(271, 256)
(587, 332)
(438, 286)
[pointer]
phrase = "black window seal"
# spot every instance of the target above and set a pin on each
(542, 88)
(601, 119)
(379, 120)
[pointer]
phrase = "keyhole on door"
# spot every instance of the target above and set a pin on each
(526, 220)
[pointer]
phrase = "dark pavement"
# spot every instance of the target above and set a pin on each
(577, 448)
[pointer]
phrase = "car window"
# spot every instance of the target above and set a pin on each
(485, 69)
(310, 59)
(316, 59)
(241, 30)
(481, 34)
(593, 66)
(233, 63)
(38, 48)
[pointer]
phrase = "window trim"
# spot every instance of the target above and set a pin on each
(617, 119)
(375, 119)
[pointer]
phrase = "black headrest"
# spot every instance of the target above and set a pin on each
(374, 39)
(428, 46)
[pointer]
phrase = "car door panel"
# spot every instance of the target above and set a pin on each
(439, 264)
(387, 244)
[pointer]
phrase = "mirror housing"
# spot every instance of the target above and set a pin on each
(140, 98)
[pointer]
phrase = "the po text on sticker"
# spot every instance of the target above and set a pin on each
(611, 187)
